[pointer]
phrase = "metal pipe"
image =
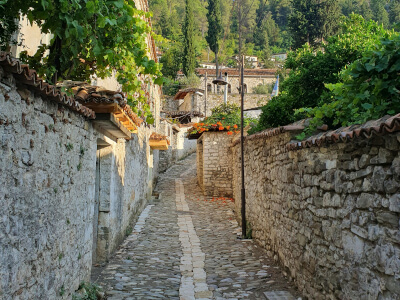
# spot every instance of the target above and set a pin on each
(242, 150)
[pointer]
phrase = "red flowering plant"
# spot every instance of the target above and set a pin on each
(225, 117)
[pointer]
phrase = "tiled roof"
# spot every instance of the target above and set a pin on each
(158, 137)
(182, 93)
(235, 72)
(385, 125)
(183, 113)
(95, 94)
(31, 78)
(85, 93)
(270, 133)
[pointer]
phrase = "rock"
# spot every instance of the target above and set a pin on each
(384, 156)
(365, 201)
(378, 178)
(394, 205)
(388, 218)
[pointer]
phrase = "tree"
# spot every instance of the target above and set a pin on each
(214, 27)
(394, 12)
(312, 68)
(189, 53)
(380, 13)
(312, 20)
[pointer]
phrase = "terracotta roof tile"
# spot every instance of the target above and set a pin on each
(235, 72)
(271, 132)
(182, 93)
(183, 113)
(31, 78)
(385, 125)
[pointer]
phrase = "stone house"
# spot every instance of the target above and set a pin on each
(211, 96)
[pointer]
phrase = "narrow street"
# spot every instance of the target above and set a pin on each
(185, 246)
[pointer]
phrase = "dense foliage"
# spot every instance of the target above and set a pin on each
(225, 117)
(369, 88)
(311, 68)
(89, 37)
(266, 27)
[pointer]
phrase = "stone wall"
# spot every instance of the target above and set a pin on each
(250, 81)
(47, 196)
(330, 215)
(213, 100)
(68, 194)
(214, 165)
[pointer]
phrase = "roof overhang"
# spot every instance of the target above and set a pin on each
(182, 93)
(158, 142)
(109, 125)
(158, 145)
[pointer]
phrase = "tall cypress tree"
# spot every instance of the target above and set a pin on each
(313, 20)
(189, 55)
(214, 18)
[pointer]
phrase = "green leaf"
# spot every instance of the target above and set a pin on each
(119, 3)
(367, 106)
(159, 81)
(90, 6)
(44, 4)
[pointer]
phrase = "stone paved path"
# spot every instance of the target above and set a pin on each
(185, 247)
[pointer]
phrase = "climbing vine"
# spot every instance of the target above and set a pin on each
(89, 37)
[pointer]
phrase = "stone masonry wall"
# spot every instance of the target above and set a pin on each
(216, 163)
(64, 203)
(330, 215)
(214, 100)
(47, 194)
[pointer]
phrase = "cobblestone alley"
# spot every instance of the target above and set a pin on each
(185, 246)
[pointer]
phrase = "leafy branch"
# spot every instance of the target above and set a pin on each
(91, 37)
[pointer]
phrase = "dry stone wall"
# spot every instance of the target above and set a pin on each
(330, 215)
(68, 194)
(47, 195)
(214, 164)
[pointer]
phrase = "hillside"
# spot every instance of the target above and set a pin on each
(267, 28)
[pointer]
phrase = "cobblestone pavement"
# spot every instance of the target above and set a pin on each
(185, 247)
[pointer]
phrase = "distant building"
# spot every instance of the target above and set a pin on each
(279, 57)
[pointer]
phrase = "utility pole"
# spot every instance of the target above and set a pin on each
(241, 63)
(205, 95)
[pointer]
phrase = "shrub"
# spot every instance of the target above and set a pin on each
(369, 88)
(312, 68)
(264, 89)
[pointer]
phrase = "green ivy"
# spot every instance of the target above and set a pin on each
(91, 37)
